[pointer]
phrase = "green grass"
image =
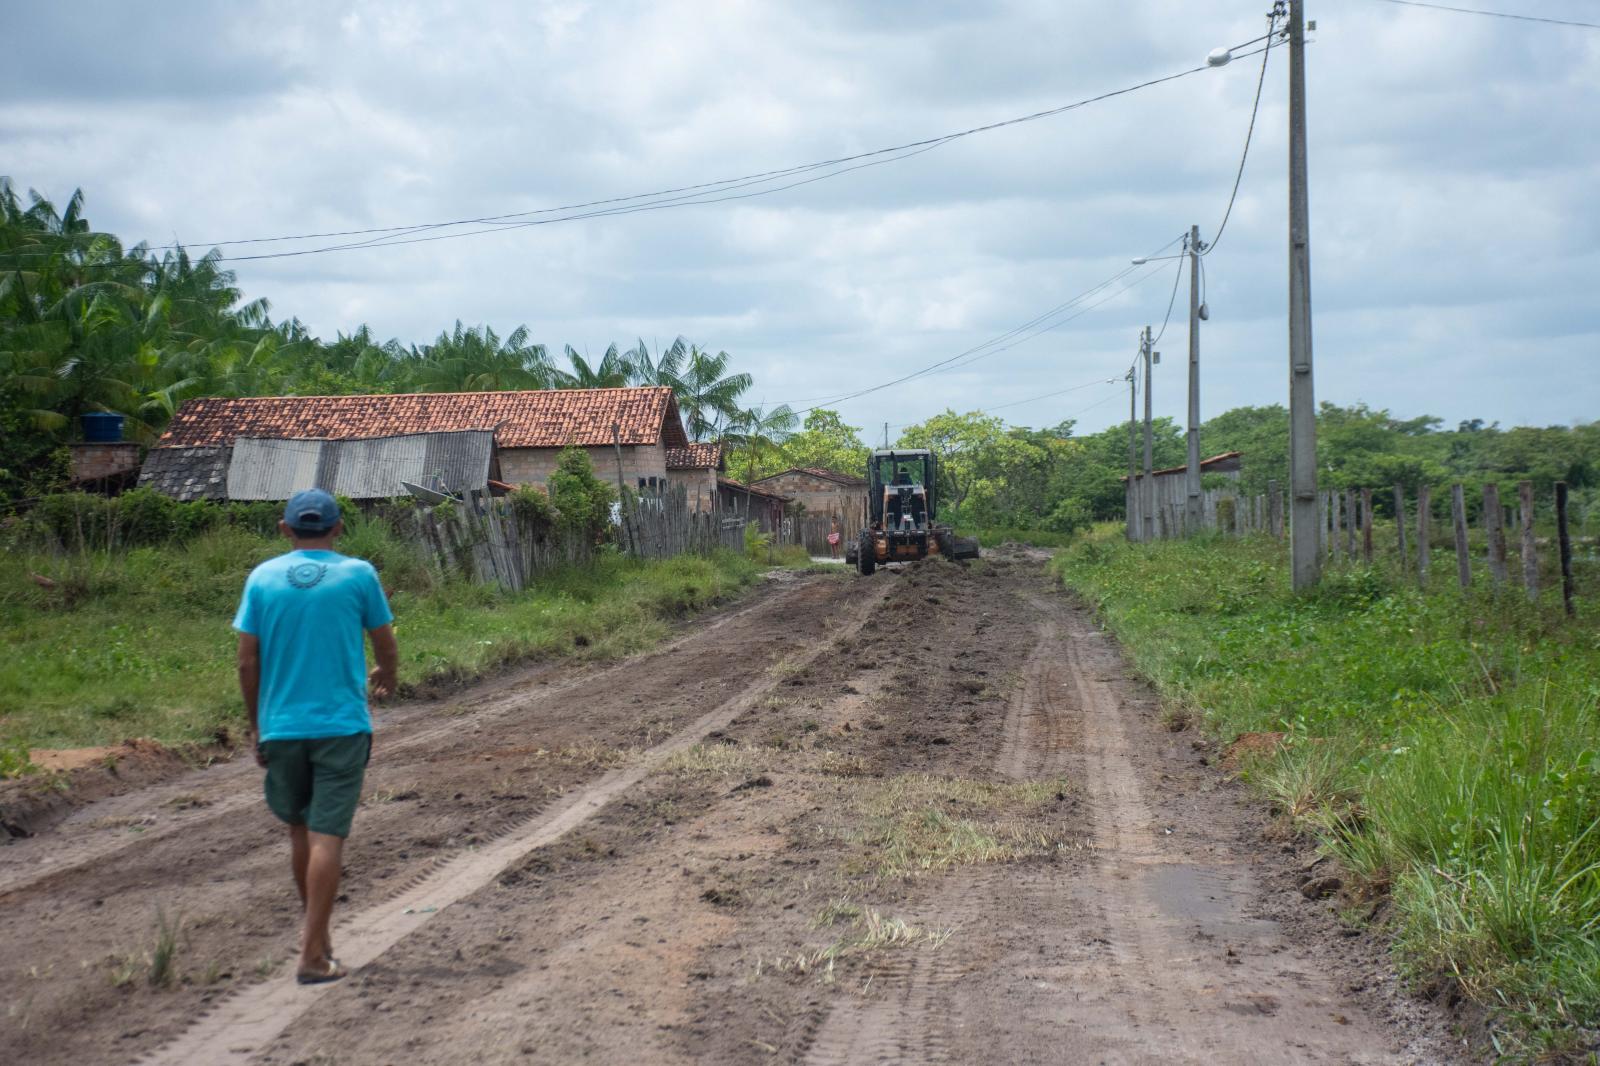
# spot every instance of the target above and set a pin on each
(139, 643)
(1445, 747)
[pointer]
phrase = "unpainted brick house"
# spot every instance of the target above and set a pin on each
(822, 492)
(627, 432)
(696, 467)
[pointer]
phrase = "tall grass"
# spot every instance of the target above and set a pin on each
(1445, 746)
(102, 646)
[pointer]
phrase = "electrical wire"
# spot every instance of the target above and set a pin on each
(1255, 108)
(1176, 277)
(984, 350)
(1496, 14)
(1044, 396)
(704, 192)
(683, 196)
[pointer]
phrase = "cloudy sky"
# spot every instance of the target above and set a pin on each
(1455, 185)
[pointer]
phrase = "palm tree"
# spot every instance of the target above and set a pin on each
(662, 371)
(477, 360)
(759, 433)
(613, 371)
(708, 395)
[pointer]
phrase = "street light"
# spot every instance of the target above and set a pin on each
(1141, 261)
(1219, 57)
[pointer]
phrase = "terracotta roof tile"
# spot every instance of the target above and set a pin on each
(741, 489)
(547, 418)
(817, 471)
(697, 456)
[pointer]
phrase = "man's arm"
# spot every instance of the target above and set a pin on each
(386, 650)
(250, 684)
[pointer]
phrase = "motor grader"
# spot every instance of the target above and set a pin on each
(902, 513)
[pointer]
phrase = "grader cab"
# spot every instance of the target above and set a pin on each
(902, 513)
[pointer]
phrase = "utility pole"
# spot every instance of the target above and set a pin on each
(1306, 562)
(1132, 505)
(1147, 501)
(1193, 511)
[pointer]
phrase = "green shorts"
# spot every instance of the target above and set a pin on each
(317, 783)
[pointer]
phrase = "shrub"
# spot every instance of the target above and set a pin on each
(582, 501)
(532, 506)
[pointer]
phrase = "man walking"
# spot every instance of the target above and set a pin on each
(302, 669)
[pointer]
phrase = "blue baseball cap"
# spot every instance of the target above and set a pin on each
(311, 511)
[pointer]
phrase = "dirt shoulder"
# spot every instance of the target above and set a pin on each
(920, 817)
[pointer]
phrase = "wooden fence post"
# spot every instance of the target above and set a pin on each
(1424, 506)
(1494, 524)
(1400, 525)
(1530, 552)
(1274, 510)
(1564, 539)
(1366, 525)
(1350, 521)
(1458, 516)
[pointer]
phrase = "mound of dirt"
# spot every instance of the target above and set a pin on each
(72, 777)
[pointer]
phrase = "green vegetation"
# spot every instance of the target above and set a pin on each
(105, 645)
(87, 325)
(918, 823)
(1445, 747)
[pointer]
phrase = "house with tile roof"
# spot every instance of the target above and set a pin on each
(696, 467)
(823, 492)
(626, 431)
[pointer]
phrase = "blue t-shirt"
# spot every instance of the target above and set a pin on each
(310, 610)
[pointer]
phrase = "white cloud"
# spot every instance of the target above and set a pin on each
(1453, 166)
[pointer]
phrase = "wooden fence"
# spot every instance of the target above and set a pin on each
(812, 527)
(658, 526)
(1346, 529)
(484, 539)
(1221, 511)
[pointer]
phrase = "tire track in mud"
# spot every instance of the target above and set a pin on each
(1178, 968)
(1150, 952)
(206, 795)
(915, 1022)
(240, 1025)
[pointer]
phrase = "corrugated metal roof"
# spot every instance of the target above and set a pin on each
(272, 469)
(364, 469)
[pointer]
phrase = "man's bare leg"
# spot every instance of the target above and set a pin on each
(324, 855)
(299, 858)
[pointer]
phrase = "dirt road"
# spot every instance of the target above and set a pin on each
(923, 817)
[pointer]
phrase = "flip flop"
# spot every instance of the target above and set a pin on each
(330, 971)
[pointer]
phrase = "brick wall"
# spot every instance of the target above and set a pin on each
(91, 461)
(701, 481)
(533, 466)
(819, 495)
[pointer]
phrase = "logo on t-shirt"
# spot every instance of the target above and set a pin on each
(306, 575)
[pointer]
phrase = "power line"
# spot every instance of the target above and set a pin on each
(1176, 277)
(1043, 396)
(973, 354)
(687, 195)
(1495, 14)
(1255, 108)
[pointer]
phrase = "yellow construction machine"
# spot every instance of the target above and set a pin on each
(902, 513)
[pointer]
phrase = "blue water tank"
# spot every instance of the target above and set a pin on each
(101, 427)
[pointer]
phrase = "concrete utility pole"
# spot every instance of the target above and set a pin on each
(1307, 564)
(1132, 505)
(1193, 510)
(1147, 502)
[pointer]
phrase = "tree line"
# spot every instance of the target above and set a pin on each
(89, 325)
